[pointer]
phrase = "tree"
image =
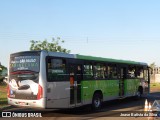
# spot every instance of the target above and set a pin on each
(49, 46)
(3, 72)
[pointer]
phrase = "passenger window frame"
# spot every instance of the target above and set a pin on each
(66, 76)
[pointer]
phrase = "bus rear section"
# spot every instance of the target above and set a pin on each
(25, 87)
(63, 81)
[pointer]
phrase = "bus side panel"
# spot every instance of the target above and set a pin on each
(106, 86)
(131, 86)
(58, 94)
(24, 99)
(42, 75)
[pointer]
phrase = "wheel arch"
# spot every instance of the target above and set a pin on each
(98, 92)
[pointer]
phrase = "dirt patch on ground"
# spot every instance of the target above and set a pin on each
(3, 88)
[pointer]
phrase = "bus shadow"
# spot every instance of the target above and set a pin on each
(112, 106)
(120, 105)
(107, 106)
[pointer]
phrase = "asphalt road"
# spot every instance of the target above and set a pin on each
(110, 110)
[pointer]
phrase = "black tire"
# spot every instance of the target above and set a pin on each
(96, 101)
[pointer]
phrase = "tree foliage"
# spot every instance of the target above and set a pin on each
(3, 72)
(152, 65)
(49, 46)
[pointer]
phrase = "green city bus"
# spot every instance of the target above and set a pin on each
(59, 80)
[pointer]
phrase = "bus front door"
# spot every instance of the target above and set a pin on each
(75, 84)
(121, 82)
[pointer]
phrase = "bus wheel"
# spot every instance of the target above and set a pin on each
(96, 101)
(138, 94)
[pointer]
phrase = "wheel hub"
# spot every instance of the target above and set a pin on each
(97, 102)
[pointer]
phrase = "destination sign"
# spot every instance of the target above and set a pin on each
(25, 63)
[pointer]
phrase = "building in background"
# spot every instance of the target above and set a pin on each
(155, 75)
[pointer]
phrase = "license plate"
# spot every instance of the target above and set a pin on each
(21, 103)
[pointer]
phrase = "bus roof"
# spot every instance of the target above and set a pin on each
(83, 57)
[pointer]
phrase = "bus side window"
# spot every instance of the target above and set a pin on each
(131, 72)
(112, 71)
(88, 71)
(100, 71)
(146, 75)
(56, 69)
(140, 72)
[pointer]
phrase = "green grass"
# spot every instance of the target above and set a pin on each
(2, 85)
(3, 99)
(3, 95)
(155, 85)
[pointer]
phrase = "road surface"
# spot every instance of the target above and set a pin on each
(110, 110)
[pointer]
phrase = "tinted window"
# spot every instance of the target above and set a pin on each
(112, 71)
(100, 71)
(56, 69)
(140, 72)
(131, 72)
(146, 75)
(24, 63)
(88, 71)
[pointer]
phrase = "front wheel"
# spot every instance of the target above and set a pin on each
(96, 101)
(138, 95)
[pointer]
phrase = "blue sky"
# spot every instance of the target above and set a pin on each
(121, 29)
